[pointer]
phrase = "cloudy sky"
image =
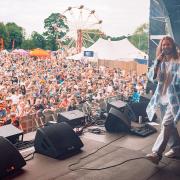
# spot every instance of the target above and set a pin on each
(120, 17)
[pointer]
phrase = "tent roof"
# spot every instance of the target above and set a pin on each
(39, 53)
(113, 50)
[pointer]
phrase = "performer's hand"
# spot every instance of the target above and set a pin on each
(160, 57)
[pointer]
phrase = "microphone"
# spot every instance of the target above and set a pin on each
(163, 53)
(158, 64)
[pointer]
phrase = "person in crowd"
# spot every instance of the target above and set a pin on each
(135, 96)
(23, 90)
(14, 120)
(72, 104)
(166, 70)
(2, 113)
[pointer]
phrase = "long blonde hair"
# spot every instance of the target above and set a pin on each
(175, 54)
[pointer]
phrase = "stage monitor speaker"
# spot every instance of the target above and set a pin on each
(145, 98)
(124, 107)
(116, 121)
(57, 141)
(117, 104)
(11, 132)
(74, 118)
(10, 158)
(139, 109)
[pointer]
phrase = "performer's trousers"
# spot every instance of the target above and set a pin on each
(168, 134)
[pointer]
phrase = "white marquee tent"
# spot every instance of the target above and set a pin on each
(113, 50)
(115, 54)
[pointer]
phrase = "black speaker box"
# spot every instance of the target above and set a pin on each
(145, 98)
(124, 108)
(11, 132)
(150, 87)
(57, 141)
(139, 109)
(74, 118)
(116, 104)
(116, 121)
(10, 158)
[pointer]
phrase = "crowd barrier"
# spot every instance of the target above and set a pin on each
(35, 120)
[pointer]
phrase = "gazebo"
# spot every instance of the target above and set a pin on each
(39, 53)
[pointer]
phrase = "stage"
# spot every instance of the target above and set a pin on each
(123, 152)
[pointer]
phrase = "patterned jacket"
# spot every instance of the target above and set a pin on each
(173, 90)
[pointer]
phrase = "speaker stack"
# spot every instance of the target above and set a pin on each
(124, 108)
(121, 114)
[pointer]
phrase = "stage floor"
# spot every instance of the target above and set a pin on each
(124, 152)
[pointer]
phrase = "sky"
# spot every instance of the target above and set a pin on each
(120, 17)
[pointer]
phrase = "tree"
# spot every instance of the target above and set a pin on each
(28, 44)
(15, 35)
(3, 36)
(114, 38)
(56, 29)
(140, 37)
(38, 40)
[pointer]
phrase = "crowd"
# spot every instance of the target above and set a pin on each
(29, 85)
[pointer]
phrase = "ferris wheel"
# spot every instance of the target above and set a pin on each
(84, 27)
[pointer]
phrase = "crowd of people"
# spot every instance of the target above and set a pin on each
(30, 84)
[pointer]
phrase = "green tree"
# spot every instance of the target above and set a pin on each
(114, 38)
(28, 44)
(3, 34)
(15, 35)
(38, 40)
(56, 28)
(140, 37)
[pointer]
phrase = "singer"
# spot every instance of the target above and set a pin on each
(166, 72)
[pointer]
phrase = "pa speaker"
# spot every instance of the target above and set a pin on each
(57, 141)
(10, 158)
(116, 121)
